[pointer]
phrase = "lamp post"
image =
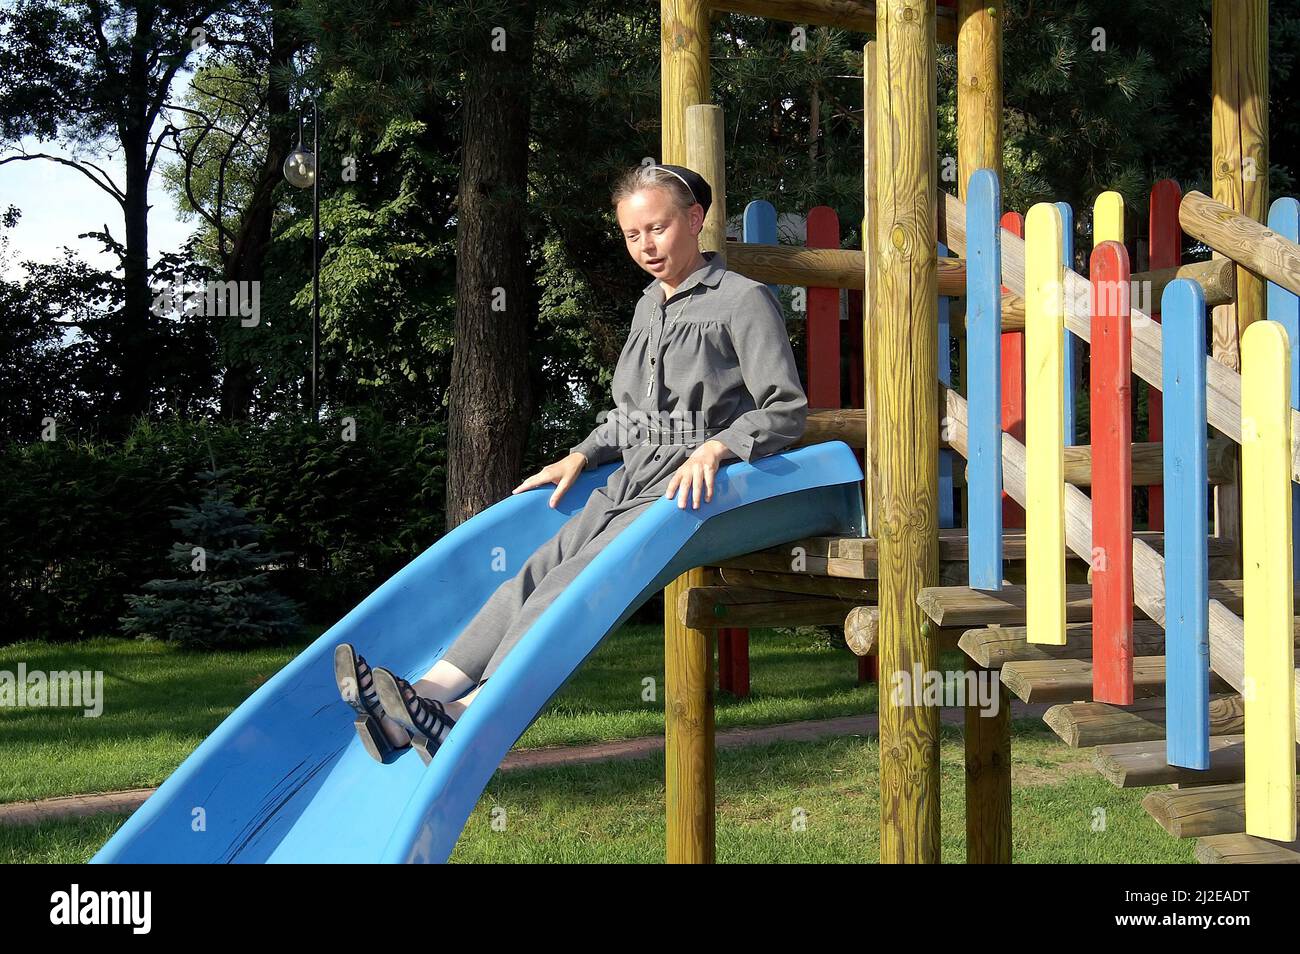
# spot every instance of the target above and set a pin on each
(300, 168)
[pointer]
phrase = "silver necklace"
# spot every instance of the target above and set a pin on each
(650, 382)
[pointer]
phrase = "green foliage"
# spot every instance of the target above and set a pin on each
(222, 144)
(222, 597)
(87, 522)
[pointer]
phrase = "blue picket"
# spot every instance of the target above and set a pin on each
(1187, 568)
(758, 227)
(1284, 308)
(984, 379)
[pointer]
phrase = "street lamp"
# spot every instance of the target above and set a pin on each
(300, 170)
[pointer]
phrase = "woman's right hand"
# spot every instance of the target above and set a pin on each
(562, 473)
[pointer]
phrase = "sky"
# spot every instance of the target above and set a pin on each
(58, 203)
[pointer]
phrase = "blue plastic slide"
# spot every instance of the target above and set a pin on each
(284, 778)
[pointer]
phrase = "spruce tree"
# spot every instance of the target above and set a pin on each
(223, 595)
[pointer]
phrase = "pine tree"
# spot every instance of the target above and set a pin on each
(224, 596)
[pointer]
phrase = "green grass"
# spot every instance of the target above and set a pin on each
(614, 811)
(160, 702)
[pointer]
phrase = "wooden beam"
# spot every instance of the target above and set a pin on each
(846, 268)
(814, 556)
(850, 426)
(857, 558)
(1216, 278)
(835, 424)
(838, 588)
(823, 267)
(715, 607)
(862, 632)
(856, 15)
(1245, 241)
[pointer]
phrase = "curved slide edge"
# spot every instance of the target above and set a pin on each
(252, 782)
(777, 499)
(284, 778)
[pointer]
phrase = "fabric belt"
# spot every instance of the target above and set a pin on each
(658, 437)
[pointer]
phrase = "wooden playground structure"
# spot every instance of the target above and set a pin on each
(1039, 585)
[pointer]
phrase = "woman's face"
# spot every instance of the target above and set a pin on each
(660, 237)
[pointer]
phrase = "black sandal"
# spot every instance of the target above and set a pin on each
(425, 719)
(357, 687)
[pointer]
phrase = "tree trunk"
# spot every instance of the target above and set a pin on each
(247, 259)
(137, 341)
(490, 398)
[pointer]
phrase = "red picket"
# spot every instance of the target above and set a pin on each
(1112, 476)
(1013, 384)
(823, 327)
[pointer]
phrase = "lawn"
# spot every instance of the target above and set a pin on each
(811, 802)
(160, 702)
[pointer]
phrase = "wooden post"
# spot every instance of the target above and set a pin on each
(1239, 71)
(688, 653)
(979, 146)
(688, 729)
(979, 90)
(906, 407)
(870, 470)
(869, 668)
(1239, 133)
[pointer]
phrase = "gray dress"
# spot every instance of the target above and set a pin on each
(713, 361)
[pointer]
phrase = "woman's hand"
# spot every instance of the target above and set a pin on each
(697, 474)
(562, 473)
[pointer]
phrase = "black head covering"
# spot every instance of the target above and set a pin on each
(699, 189)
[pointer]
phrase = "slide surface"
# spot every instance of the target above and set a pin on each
(284, 778)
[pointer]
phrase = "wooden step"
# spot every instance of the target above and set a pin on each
(1139, 764)
(995, 646)
(1053, 681)
(1246, 850)
(962, 606)
(1201, 811)
(1082, 725)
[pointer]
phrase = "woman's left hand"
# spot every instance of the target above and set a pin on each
(696, 474)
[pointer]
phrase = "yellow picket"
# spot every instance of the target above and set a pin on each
(1268, 582)
(1044, 427)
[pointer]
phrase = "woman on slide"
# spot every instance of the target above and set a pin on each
(707, 375)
